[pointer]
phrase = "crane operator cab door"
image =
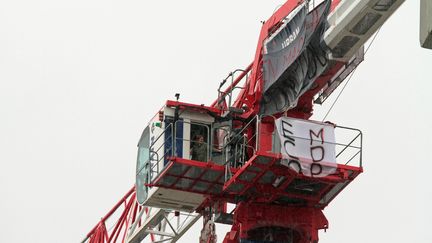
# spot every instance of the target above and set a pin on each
(184, 134)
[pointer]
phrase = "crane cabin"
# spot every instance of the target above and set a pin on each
(172, 134)
(191, 155)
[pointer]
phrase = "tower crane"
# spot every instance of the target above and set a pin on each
(253, 159)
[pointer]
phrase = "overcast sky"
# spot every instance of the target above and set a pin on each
(80, 79)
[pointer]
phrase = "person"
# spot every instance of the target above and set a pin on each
(199, 149)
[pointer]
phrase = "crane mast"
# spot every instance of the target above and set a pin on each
(253, 159)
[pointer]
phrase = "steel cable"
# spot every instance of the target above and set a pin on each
(351, 75)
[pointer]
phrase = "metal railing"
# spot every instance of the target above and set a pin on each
(237, 83)
(352, 150)
(167, 148)
(234, 152)
(153, 163)
(348, 145)
(236, 149)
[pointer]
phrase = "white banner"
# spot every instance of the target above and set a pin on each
(307, 147)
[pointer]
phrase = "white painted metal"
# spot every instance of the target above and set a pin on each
(152, 219)
(426, 23)
(163, 224)
(174, 199)
(168, 198)
(350, 13)
(156, 217)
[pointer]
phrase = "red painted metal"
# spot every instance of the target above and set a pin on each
(201, 108)
(100, 234)
(253, 88)
(254, 189)
(305, 221)
(205, 166)
(266, 192)
(251, 93)
(258, 200)
(101, 225)
(234, 84)
(334, 4)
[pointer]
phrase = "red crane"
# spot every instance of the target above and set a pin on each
(253, 159)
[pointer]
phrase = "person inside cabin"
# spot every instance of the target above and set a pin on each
(199, 149)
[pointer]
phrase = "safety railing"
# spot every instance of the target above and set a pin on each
(161, 152)
(347, 147)
(236, 149)
(156, 155)
(231, 87)
(239, 147)
(165, 146)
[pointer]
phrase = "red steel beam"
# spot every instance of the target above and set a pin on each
(124, 198)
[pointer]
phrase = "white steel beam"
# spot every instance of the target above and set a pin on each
(353, 22)
(155, 222)
(426, 24)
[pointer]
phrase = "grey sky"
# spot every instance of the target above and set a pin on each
(80, 79)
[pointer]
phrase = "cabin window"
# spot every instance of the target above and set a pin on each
(173, 144)
(199, 142)
(143, 166)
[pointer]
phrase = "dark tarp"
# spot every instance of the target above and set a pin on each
(294, 57)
